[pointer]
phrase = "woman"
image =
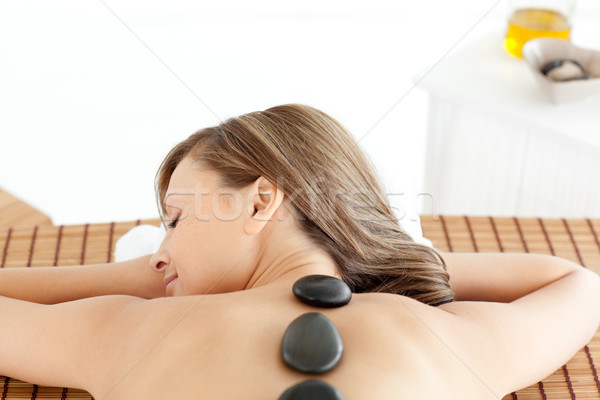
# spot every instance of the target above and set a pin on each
(251, 206)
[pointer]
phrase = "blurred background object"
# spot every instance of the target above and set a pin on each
(530, 19)
(566, 73)
(93, 95)
(499, 145)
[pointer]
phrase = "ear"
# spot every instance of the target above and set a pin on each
(265, 199)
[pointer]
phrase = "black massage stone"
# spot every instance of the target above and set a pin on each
(312, 344)
(312, 390)
(322, 291)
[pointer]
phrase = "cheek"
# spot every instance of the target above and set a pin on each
(184, 252)
(195, 251)
(178, 248)
(210, 256)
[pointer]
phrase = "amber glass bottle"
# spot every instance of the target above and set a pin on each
(530, 19)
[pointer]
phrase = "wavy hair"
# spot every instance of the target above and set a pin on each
(333, 191)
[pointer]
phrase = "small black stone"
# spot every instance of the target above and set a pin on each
(312, 390)
(550, 65)
(312, 344)
(322, 291)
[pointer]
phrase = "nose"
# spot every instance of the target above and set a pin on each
(160, 260)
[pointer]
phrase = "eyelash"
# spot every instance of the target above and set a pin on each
(173, 223)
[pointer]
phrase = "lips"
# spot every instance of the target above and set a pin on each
(169, 279)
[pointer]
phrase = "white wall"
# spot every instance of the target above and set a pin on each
(93, 94)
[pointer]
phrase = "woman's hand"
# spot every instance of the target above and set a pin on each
(51, 285)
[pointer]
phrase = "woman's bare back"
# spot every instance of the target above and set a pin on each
(229, 347)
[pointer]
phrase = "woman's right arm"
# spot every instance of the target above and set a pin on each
(502, 277)
(51, 285)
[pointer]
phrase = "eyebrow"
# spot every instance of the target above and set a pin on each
(167, 209)
(170, 198)
(182, 192)
(170, 206)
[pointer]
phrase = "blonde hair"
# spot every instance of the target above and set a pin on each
(332, 188)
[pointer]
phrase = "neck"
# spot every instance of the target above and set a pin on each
(287, 258)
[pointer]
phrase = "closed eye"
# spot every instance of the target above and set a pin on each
(173, 223)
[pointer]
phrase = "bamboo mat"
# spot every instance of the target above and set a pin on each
(576, 240)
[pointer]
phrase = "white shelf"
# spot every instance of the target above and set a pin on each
(497, 146)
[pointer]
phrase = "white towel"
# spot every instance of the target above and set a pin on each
(412, 226)
(410, 222)
(139, 241)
